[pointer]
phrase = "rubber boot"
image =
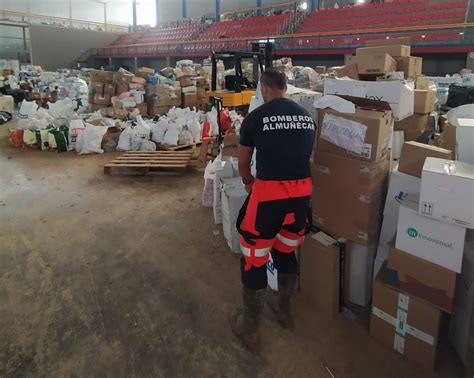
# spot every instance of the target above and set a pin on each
(280, 302)
(245, 322)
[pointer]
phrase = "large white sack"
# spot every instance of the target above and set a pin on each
(139, 133)
(92, 139)
(171, 136)
(158, 130)
(76, 127)
(125, 140)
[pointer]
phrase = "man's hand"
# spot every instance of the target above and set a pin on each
(248, 183)
(245, 160)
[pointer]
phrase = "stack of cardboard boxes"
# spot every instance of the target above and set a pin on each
(101, 89)
(162, 97)
(201, 90)
(418, 282)
(188, 91)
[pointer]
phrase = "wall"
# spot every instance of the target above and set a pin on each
(54, 48)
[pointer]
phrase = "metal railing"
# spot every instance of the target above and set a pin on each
(21, 17)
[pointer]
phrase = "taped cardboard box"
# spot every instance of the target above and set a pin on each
(96, 88)
(409, 326)
(424, 101)
(380, 64)
(392, 50)
(364, 135)
(414, 154)
(422, 279)
(410, 65)
(144, 72)
(423, 83)
(416, 122)
(332, 198)
(447, 191)
(123, 78)
(102, 76)
(323, 276)
(350, 70)
(429, 239)
(398, 95)
(387, 42)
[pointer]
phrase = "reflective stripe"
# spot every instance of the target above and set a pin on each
(262, 252)
(289, 242)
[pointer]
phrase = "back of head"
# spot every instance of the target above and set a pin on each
(273, 84)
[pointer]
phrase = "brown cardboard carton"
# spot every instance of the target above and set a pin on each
(424, 101)
(96, 88)
(350, 70)
(422, 279)
(231, 145)
(102, 76)
(320, 69)
(144, 72)
(109, 89)
(416, 122)
(413, 136)
(422, 83)
(349, 211)
(189, 100)
(410, 65)
(123, 78)
(164, 101)
(387, 42)
(95, 107)
(113, 133)
(90, 98)
(102, 100)
(377, 136)
(449, 137)
(414, 154)
(143, 109)
(185, 81)
(322, 273)
(380, 64)
(392, 50)
(413, 331)
(160, 110)
(121, 88)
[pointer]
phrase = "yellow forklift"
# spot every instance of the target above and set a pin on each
(239, 90)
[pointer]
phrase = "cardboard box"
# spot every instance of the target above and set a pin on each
(189, 89)
(449, 138)
(398, 95)
(109, 89)
(387, 42)
(320, 69)
(144, 72)
(102, 100)
(230, 145)
(401, 186)
(414, 123)
(422, 83)
(465, 138)
(233, 197)
(410, 65)
(96, 88)
(429, 239)
(164, 101)
(392, 50)
(121, 88)
(322, 273)
(350, 70)
(461, 325)
(160, 110)
(189, 100)
(381, 64)
(185, 81)
(332, 197)
(447, 191)
(422, 279)
(95, 107)
(143, 109)
(414, 154)
(369, 128)
(413, 136)
(413, 331)
(102, 76)
(424, 101)
(123, 78)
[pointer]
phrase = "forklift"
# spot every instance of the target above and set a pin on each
(239, 90)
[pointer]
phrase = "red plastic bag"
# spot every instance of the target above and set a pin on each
(226, 122)
(16, 138)
(206, 130)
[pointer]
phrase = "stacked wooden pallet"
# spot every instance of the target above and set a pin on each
(144, 162)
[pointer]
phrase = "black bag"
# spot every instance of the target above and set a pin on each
(5, 117)
(460, 95)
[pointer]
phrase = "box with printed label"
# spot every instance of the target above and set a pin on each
(398, 95)
(401, 186)
(352, 212)
(429, 239)
(380, 64)
(422, 279)
(323, 272)
(406, 324)
(414, 154)
(447, 191)
(410, 65)
(424, 101)
(392, 50)
(364, 134)
(416, 122)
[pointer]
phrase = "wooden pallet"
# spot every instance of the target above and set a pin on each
(178, 147)
(143, 162)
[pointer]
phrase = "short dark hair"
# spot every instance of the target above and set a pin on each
(274, 79)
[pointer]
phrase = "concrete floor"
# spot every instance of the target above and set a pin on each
(123, 277)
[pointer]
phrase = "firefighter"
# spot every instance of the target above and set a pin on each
(276, 214)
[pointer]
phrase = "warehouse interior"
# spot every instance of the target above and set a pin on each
(127, 182)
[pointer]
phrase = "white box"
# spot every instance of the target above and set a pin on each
(460, 325)
(231, 235)
(361, 267)
(447, 191)
(272, 274)
(438, 242)
(400, 186)
(465, 140)
(399, 95)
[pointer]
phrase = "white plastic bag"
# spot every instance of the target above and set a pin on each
(185, 136)
(147, 145)
(76, 127)
(61, 109)
(158, 130)
(195, 127)
(92, 139)
(27, 110)
(125, 140)
(212, 119)
(208, 190)
(139, 133)
(171, 136)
